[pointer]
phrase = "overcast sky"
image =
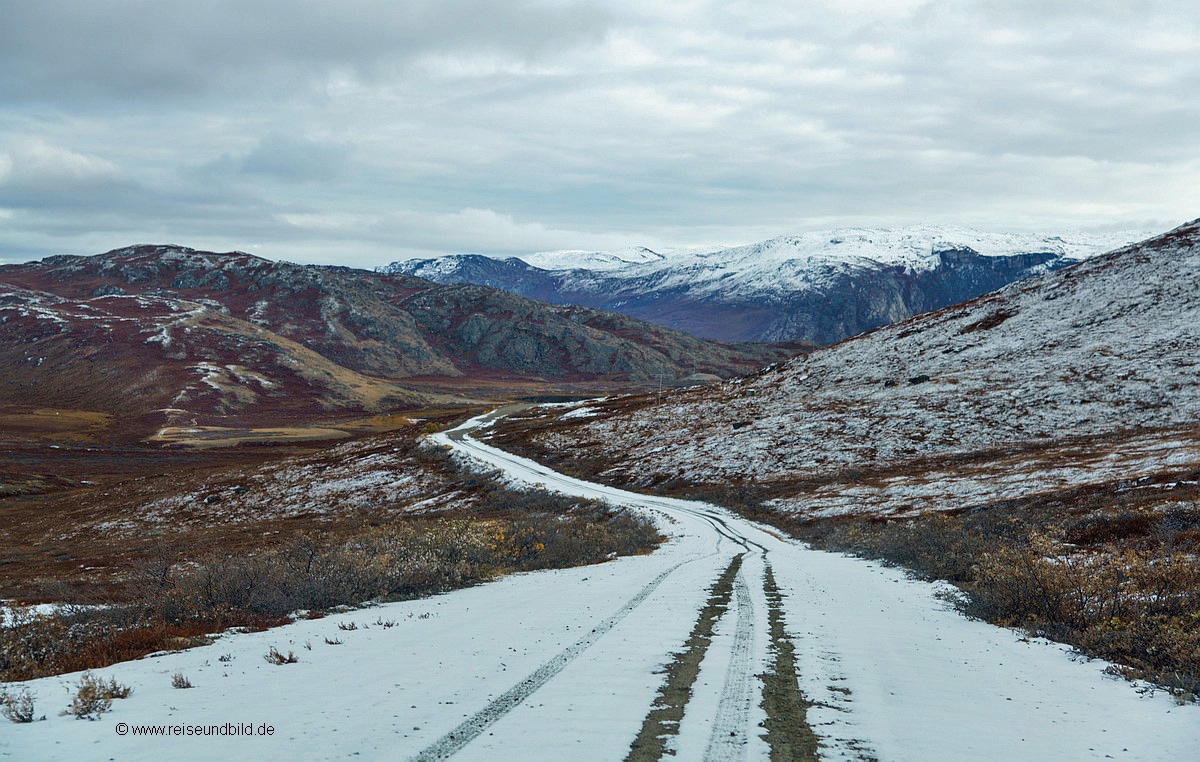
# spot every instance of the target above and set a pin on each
(363, 131)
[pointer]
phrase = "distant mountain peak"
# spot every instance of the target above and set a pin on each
(818, 286)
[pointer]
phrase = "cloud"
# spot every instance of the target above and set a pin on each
(283, 158)
(305, 126)
(64, 50)
(33, 162)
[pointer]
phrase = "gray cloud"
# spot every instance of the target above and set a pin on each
(283, 158)
(55, 50)
(358, 131)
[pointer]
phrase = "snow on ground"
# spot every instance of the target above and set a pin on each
(770, 270)
(592, 260)
(895, 673)
(1024, 473)
(808, 260)
(581, 412)
(911, 247)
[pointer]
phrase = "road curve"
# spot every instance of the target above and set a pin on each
(888, 669)
(727, 643)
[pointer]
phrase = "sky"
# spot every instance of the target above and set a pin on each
(360, 132)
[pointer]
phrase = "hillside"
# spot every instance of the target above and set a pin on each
(187, 333)
(816, 287)
(1073, 376)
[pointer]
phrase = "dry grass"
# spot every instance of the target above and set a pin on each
(17, 706)
(52, 424)
(170, 591)
(93, 697)
(174, 600)
(220, 436)
(1117, 575)
(274, 656)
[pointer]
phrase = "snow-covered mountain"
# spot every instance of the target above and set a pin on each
(578, 259)
(819, 287)
(1080, 376)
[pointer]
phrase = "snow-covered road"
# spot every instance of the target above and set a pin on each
(581, 663)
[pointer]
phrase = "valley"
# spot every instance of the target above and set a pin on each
(591, 380)
(759, 553)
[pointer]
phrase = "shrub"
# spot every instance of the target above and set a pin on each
(91, 699)
(275, 657)
(1135, 605)
(179, 681)
(115, 690)
(178, 604)
(18, 706)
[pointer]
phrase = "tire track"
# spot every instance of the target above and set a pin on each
(729, 736)
(473, 726)
(788, 734)
(667, 710)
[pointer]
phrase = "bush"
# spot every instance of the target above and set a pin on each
(179, 681)
(275, 657)
(92, 698)
(1137, 606)
(115, 690)
(18, 706)
(179, 604)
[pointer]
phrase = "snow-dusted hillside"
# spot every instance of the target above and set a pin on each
(212, 334)
(1084, 374)
(820, 286)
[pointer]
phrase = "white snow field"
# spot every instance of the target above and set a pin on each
(566, 664)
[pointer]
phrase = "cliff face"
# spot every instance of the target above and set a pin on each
(864, 299)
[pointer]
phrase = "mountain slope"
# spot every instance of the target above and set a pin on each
(817, 287)
(166, 328)
(1093, 368)
(135, 355)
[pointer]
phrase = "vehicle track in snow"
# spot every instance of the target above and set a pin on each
(731, 727)
(673, 696)
(473, 726)
(731, 730)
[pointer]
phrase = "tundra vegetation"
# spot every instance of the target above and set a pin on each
(177, 600)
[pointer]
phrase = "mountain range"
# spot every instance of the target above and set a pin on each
(816, 287)
(173, 333)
